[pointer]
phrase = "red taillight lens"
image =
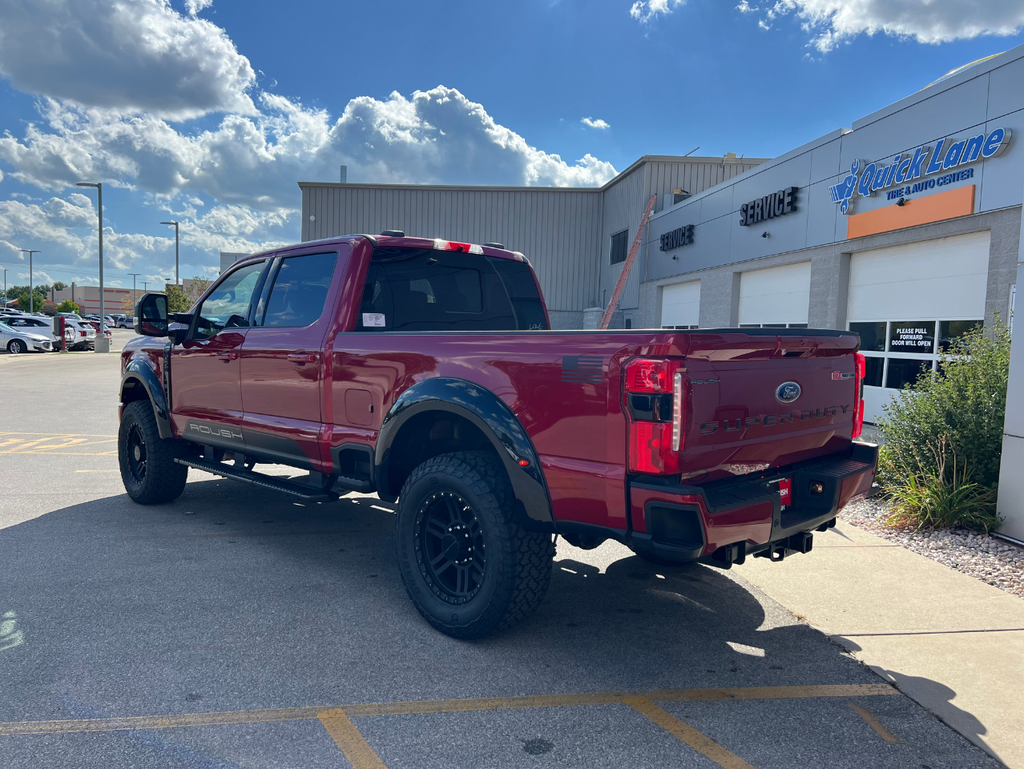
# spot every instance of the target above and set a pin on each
(645, 375)
(861, 365)
(650, 448)
(656, 400)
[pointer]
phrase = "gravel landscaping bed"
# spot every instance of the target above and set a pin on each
(990, 559)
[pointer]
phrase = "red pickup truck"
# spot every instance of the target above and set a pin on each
(425, 370)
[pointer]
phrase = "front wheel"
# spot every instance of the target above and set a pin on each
(148, 470)
(16, 347)
(469, 567)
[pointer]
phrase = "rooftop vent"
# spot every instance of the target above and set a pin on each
(678, 196)
(394, 233)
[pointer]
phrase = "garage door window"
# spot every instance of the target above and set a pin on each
(898, 351)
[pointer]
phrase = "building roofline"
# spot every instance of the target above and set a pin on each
(506, 188)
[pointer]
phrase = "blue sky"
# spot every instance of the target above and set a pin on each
(210, 112)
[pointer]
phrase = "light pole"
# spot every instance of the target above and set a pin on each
(31, 299)
(134, 275)
(99, 206)
(5, 285)
(176, 277)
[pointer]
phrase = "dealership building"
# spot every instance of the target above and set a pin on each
(904, 227)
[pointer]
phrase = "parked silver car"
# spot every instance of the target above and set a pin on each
(17, 341)
(32, 325)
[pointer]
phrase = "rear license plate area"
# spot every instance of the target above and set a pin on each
(786, 492)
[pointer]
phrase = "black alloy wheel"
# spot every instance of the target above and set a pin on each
(450, 550)
(135, 451)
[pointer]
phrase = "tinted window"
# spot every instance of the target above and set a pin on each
(426, 290)
(300, 290)
(951, 329)
(873, 371)
(905, 371)
(228, 305)
(522, 292)
(872, 335)
(619, 246)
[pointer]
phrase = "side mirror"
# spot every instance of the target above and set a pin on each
(151, 315)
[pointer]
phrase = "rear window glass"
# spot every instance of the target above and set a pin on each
(426, 290)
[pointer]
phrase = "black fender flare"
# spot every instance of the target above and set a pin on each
(141, 372)
(492, 417)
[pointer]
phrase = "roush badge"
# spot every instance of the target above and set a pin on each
(787, 392)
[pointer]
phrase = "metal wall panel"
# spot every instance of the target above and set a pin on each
(556, 229)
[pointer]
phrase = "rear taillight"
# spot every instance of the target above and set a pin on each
(858, 407)
(656, 405)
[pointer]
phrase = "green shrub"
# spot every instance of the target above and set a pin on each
(943, 498)
(68, 306)
(944, 434)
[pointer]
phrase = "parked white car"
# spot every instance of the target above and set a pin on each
(31, 325)
(17, 341)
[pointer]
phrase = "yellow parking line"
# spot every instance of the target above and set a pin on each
(75, 443)
(345, 735)
(65, 453)
(874, 723)
(63, 435)
(441, 706)
(683, 732)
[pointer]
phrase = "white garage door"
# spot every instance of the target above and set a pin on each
(680, 305)
(909, 302)
(776, 296)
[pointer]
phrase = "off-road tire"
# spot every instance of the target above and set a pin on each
(517, 568)
(16, 347)
(163, 479)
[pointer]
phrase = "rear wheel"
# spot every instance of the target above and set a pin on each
(148, 470)
(469, 567)
(16, 347)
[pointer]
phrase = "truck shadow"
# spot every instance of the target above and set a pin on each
(232, 597)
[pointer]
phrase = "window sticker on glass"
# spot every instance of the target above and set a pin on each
(373, 320)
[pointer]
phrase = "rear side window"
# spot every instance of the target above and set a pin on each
(425, 290)
(299, 292)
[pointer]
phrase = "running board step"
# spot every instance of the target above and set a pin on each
(307, 493)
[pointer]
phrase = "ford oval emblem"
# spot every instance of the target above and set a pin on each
(787, 392)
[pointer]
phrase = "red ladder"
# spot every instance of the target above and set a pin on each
(620, 284)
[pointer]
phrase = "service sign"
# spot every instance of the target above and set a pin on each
(681, 236)
(865, 179)
(774, 204)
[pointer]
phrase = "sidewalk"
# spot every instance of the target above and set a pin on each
(952, 643)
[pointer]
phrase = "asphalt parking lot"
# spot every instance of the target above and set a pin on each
(235, 627)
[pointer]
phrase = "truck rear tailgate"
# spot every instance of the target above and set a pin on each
(766, 398)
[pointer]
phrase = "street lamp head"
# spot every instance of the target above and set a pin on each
(174, 223)
(87, 184)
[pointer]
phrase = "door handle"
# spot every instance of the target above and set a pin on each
(302, 358)
(226, 356)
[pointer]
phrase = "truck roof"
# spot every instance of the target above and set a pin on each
(402, 241)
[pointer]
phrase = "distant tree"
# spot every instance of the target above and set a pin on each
(128, 304)
(49, 308)
(68, 306)
(181, 299)
(59, 285)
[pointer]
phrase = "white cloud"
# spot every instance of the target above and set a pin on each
(128, 56)
(644, 10)
(930, 21)
(599, 123)
(436, 136)
(195, 6)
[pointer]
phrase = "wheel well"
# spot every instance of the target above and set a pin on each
(427, 435)
(132, 390)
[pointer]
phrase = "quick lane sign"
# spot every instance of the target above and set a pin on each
(776, 204)
(867, 178)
